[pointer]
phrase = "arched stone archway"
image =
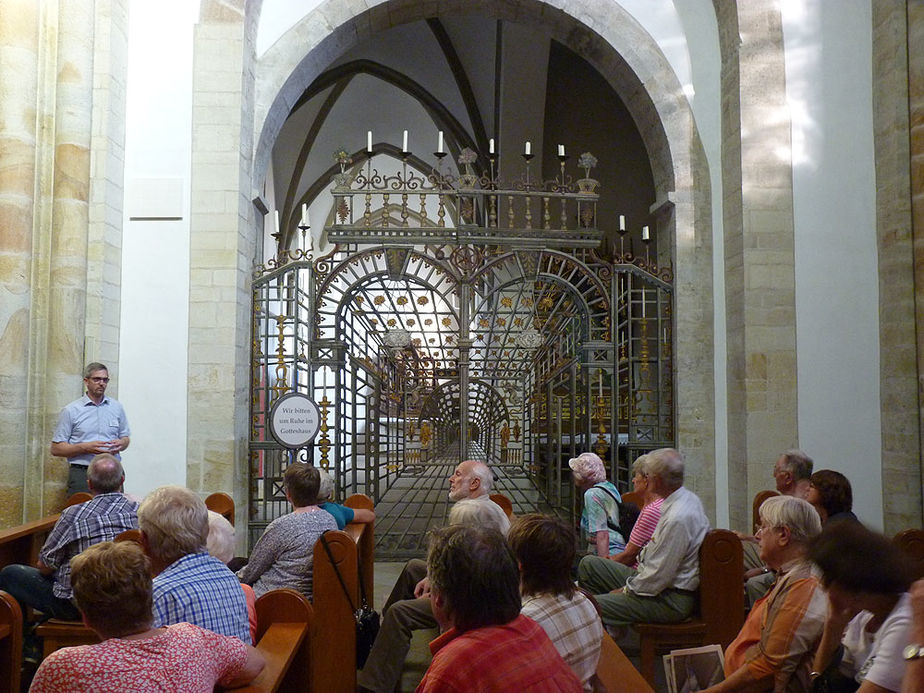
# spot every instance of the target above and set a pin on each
(239, 108)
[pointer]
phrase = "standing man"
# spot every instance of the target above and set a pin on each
(89, 426)
(663, 589)
(408, 607)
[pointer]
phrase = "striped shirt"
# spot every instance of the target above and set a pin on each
(645, 524)
(573, 626)
(783, 630)
(102, 518)
(199, 589)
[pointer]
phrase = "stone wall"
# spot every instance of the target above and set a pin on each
(54, 271)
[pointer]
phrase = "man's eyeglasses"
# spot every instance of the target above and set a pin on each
(99, 380)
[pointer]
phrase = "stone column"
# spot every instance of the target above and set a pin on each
(759, 250)
(222, 248)
(19, 62)
(915, 19)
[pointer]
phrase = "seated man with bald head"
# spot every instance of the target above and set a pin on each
(408, 606)
(47, 586)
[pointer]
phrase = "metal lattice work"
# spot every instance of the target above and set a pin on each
(419, 356)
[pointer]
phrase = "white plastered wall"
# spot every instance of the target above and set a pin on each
(155, 254)
(829, 89)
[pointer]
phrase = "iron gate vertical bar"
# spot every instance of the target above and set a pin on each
(464, 355)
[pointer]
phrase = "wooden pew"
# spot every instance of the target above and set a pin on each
(721, 604)
(364, 536)
(10, 643)
(221, 503)
(284, 622)
(615, 673)
(22, 544)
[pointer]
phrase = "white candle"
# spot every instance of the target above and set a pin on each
(276, 213)
(644, 233)
(622, 222)
(561, 150)
(491, 146)
(600, 384)
(439, 143)
(404, 142)
(369, 141)
(527, 148)
(643, 303)
(305, 215)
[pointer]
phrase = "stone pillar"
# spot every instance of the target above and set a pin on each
(901, 453)
(19, 63)
(222, 248)
(759, 250)
(915, 18)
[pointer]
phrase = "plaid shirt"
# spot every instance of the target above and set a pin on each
(782, 630)
(517, 656)
(199, 589)
(101, 518)
(574, 628)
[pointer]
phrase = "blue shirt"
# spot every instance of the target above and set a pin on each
(342, 514)
(199, 589)
(600, 506)
(101, 518)
(83, 420)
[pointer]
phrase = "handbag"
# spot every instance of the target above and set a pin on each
(367, 618)
(628, 514)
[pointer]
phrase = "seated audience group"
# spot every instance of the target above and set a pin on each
(831, 603)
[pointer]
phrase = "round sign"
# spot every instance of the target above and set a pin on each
(295, 420)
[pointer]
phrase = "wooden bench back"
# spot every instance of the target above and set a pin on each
(284, 621)
(911, 544)
(503, 502)
(759, 499)
(333, 636)
(10, 643)
(721, 576)
(221, 503)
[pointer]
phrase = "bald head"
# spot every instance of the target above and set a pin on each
(105, 474)
(471, 479)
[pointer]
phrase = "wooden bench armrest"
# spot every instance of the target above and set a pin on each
(615, 672)
(45, 524)
(279, 646)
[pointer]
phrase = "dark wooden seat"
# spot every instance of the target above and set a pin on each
(284, 621)
(759, 499)
(721, 604)
(633, 497)
(503, 502)
(10, 643)
(221, 503)
(364, 536)
(77, 498)
(911, 544)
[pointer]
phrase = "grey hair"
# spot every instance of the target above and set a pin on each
(220, 542)
(105, 473)
(326, 487)
(92, 368)
(175, 522)
(796, 514)
(479, 513)
(640, 466)
(667, 464)
(483, 473)
(798, 463)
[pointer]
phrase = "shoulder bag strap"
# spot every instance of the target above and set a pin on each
(612, 525)
(346, 592)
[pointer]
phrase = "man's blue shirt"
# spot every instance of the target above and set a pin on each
(83, 420)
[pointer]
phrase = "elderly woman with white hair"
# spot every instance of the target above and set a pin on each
(644, 527)
(600, 518)
(343, 514)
